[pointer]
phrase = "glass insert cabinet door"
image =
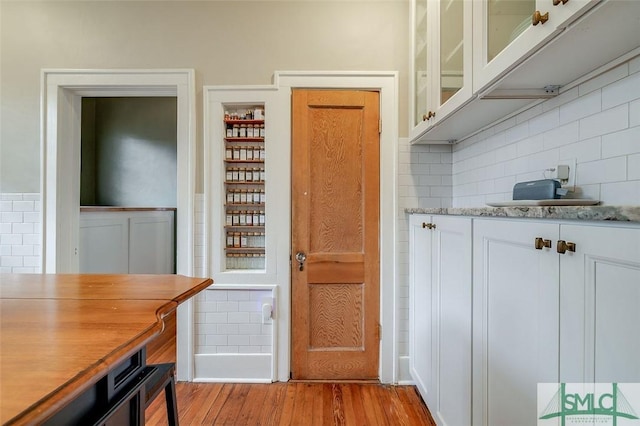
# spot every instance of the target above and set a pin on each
(420, 64)
(451, 39)
(506, 20)
(442, 58)
(506, 32)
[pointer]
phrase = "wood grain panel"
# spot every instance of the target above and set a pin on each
(335, 272)
(335, 180)
(336, 316)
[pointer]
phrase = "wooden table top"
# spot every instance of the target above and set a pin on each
(60, 333)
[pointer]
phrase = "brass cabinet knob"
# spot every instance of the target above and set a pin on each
(539, 18)
(557, 2)
(565, 246)
(428, 225)
(540, 243)
(428, 116)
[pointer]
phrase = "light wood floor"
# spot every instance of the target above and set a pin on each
(293, 403)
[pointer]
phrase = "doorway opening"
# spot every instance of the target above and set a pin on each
(62, 93)
(128, 185)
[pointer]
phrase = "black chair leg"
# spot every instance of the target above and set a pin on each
(172, 406)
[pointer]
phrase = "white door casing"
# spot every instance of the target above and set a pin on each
(386, 82)
(61, 99)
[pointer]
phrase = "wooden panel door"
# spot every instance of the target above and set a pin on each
(335, 223)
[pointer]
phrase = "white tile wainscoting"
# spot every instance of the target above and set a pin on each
(424, 180)
(233, 342)
(20, 233)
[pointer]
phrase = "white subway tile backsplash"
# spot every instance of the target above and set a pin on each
(583, 151)
(11, 217)
(602, 171)
(563, 98)
(621, 193)
(517, 133)
(34, 261)
(22, 250)
(625, 142)
(581, 107)
(595, 123)
(238, 339)
(227, 306)
(562, 135)
(238, 317)
(634, 113)
(621, 92)
(604, 79)
(634, 65)
(11, 239)
(633, 167)
(608, 121)
(23, 206)
(545, 121)
(530, 145)
(23, 228)
(11, 261)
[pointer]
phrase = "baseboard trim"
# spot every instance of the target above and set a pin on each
(233, 368)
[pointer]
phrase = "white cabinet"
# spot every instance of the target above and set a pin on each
(442, 60)
(440, 315)
(600, 296)
(563, 313)
(538, 302)
(121, 242)
(515, 319)
(507, 32)
(508, 63)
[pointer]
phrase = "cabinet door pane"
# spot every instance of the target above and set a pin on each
(420, 60)
(506, 20)
(451, 48)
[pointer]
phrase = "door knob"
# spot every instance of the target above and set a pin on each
(565, 246)
(539, 18)
(301, 257)
(540, 243)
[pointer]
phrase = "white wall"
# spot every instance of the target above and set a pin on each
(597, 123)
(226, 42)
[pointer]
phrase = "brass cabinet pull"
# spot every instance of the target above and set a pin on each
(565, 246)
(428, 225)
(540, 243)
(539, 18)
(557, 2)
(428, 116)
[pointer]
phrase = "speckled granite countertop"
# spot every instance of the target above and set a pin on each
(610, 213)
